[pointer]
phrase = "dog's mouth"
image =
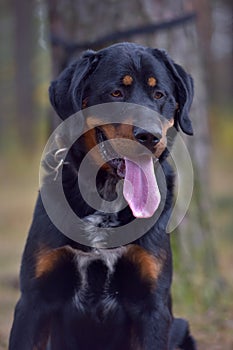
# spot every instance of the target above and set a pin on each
(140, 187)
(109, 155)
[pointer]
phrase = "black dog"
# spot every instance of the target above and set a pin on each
(77, 296)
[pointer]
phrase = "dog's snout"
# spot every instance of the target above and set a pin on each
(146, 138)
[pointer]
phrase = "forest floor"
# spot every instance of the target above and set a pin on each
(212, 325)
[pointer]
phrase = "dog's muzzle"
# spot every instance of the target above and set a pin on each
(146, 138)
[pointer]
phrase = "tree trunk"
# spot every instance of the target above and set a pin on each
(23, 53)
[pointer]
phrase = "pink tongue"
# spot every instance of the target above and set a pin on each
(140, 187)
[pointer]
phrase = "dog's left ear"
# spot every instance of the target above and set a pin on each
(66, 92)
(185, 91)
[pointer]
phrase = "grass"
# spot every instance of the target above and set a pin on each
(18, 178)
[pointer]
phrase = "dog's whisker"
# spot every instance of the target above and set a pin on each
(57, 168)
(59, 152)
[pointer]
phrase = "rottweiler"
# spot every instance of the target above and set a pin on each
(98, 295)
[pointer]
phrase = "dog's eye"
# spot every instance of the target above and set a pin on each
(117, 93)
(158, 95)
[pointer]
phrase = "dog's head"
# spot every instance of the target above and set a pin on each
(135, 75)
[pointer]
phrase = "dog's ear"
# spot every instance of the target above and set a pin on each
(66, 92)
(184, 84)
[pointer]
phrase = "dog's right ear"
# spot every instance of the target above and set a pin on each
(66, 92)
(184, 91)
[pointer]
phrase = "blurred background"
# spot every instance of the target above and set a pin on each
(38, 38)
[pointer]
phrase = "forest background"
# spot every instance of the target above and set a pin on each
(29, 59)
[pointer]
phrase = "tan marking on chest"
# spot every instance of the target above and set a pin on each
(47, 260)
(148, 265)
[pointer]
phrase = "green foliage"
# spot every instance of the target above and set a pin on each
(196, 290)
(221, 121)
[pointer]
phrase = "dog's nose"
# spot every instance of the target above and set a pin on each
(146, 138)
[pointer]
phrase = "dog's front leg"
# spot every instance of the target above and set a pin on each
(30, 328)
(155, 329)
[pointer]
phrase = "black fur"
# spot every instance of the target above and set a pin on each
(117, 308)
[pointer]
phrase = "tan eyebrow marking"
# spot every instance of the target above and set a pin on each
(127, 80)
(151, 81)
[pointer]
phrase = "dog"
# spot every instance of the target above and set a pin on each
(89, 296)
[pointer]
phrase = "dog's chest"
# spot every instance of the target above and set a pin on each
(116, 283)
(96, 272)
(97, 283)
(97, 290)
